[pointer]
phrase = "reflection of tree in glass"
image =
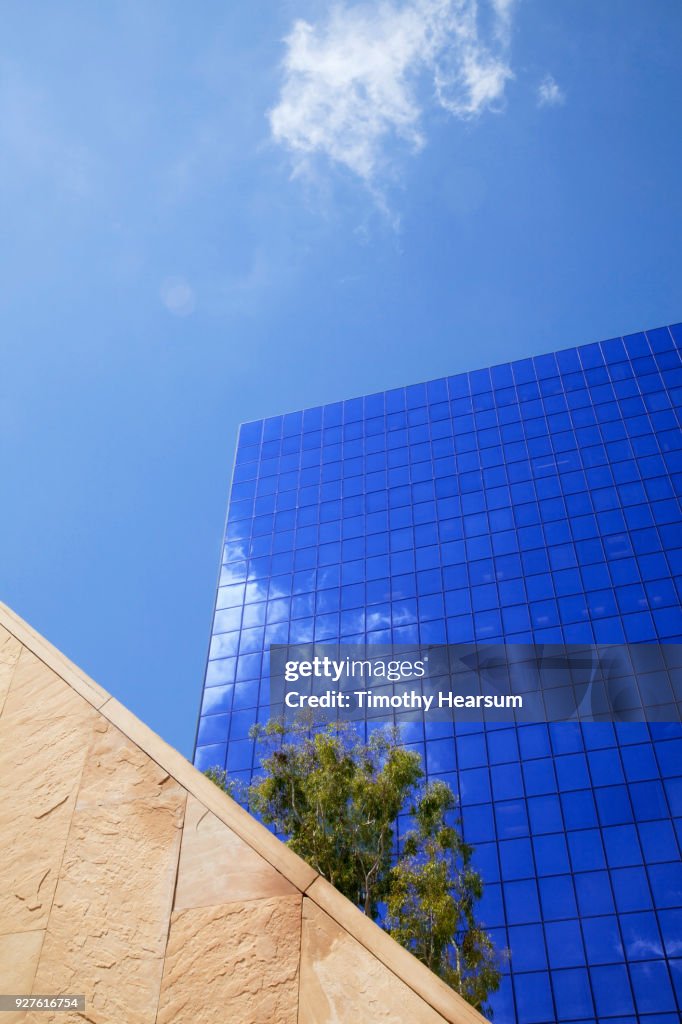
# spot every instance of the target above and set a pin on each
(336, 799)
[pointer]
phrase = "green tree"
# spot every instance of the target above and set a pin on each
(432, 896)
(337, 800)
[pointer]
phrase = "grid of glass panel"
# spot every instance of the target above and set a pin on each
(537, 501)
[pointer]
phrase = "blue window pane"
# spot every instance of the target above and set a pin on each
(622, 846)
(579, 809)
(545, 814)
(471, 751)
(572, 994)
(652, 988)
(648, 800)
(613, 805)
(474, 786)
(239, 755)
(586, 850)
(605, 767)
(503, 746)
(658, 841)
(217, 699)
(506, 781)
(631, 889)
(527, 946)
(593, 890)
(565, 944)
(440, 756)
(602, 940)
(557, 897)
(566, 737)
(478, 823)
(539, 777)
(612, 992)
(211, 756)
(512, 819)
(534, 998)
(516, 859)
(213, 729)
(641, 937)
(521, 902)
(551, 854)
(572, 772)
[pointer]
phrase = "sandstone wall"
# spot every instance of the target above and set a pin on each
(127, 876)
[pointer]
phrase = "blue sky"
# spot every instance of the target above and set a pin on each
(215, 213)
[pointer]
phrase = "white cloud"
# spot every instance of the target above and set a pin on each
(550, 93)
(359, 80)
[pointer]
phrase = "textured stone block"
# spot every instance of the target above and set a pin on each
(343, 981)
(236, 963)
(108, 927)
(227, 810)
(45, 731)
(216, 866)
(18, 961)
(394, 957)
(10, 648)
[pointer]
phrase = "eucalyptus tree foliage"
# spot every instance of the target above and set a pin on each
(432, 895)
(336, 799)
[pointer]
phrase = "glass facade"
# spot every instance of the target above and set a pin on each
(536, 501)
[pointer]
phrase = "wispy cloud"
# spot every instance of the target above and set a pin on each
(360, 81)
(550, 93)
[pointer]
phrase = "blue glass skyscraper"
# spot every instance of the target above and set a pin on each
(536, 501)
